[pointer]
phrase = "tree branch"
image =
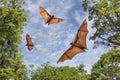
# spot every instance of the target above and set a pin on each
(111, 41)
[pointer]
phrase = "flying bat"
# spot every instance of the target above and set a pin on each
(48, 18)
(29, 42)
(79, 45)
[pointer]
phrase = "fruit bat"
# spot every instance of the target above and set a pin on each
(79, 44)
(48, 18)
(29, 42)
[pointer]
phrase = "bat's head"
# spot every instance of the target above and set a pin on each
(29, 45)
(71, 43)
(52, 16)
(26, 45)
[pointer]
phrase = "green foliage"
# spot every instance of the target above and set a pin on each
(82, 73)
(48, 72)
(106, 19)
(81, 70)
(12, 20)
(85, 4)
(107, 67)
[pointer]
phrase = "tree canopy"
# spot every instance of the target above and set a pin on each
(107, 67)
(49, 72)
(12, 20)
(105, 15)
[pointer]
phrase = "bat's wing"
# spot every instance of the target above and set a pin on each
(55, 20)
(82, 34)
(45, 15)
(80, 40)
(70, 53)
(29, 42)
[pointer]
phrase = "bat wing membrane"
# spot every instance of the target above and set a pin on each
(82, 34)
(70, 53)
(55, 20)
(45, 15)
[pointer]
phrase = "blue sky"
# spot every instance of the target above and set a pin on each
(51, 41)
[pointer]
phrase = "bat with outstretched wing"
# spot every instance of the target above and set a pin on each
(48, 18)
(79, 44)
(29, 42)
